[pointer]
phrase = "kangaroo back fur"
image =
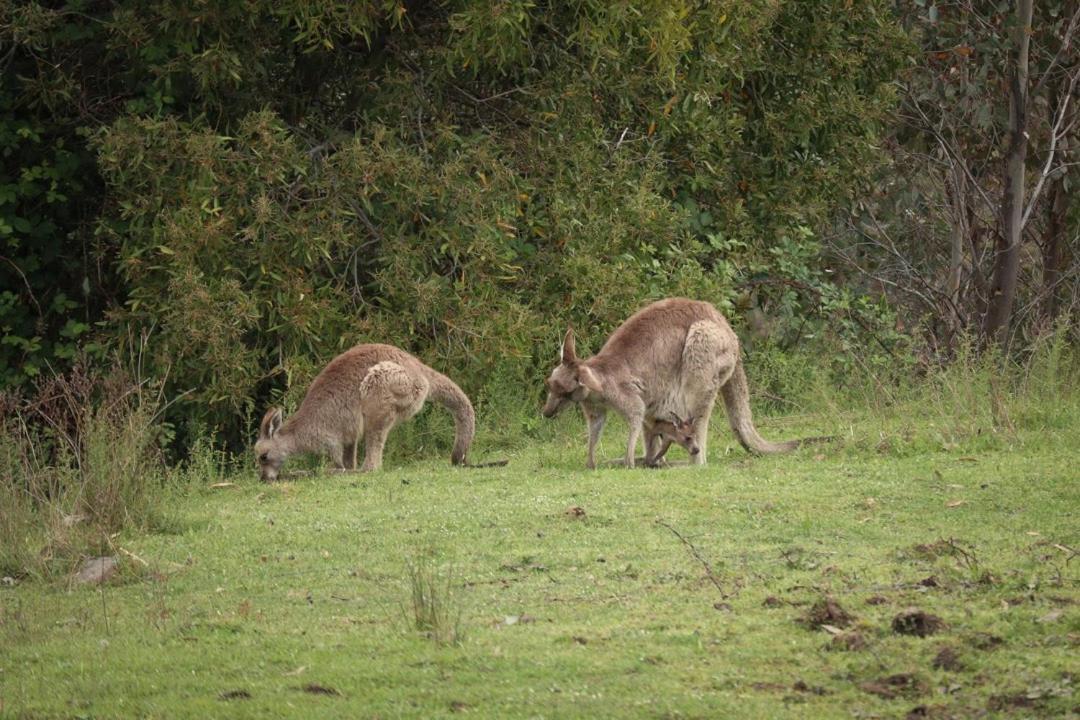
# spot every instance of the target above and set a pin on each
(365, 391)
(671, 357)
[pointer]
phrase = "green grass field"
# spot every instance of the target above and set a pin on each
(558, 592)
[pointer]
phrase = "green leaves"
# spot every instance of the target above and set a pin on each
(281, 180)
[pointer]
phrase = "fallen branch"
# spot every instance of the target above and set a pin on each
(697, 556)
(489, 464)
(133, 556)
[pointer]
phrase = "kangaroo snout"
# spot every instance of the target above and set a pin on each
(552, 407)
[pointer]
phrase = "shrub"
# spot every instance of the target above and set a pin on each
(560, 163)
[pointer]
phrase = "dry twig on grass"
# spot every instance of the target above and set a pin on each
(704, 563)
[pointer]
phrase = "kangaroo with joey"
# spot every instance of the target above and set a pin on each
(673, 356)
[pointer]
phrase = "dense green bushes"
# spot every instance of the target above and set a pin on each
(274, 182)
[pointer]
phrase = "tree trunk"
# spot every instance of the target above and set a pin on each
(956, 193)
(1007, 255)
(1053, 251)
(1054, 240)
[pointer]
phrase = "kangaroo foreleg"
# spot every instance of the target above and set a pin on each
(596, 419)
(336, 452)
(652, 442)
(661, 452)
(632, 407)
(631, 443)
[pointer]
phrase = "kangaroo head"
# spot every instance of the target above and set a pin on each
(679, 431)
(571, 380)
(269, 449)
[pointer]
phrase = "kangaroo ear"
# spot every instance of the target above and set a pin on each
(676, 419)
(271, 422)
(589, 379)
(568, 351)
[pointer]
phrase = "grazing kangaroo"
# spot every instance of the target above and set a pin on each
(672, 356)
(666, 432)
(363, 391)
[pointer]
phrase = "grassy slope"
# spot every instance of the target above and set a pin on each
(267, 589)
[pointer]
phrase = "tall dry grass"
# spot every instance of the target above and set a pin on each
(80, 460)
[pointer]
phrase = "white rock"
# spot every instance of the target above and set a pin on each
(97, 570)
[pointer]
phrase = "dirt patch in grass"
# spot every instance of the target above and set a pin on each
(849, 641)
(914, 621)
(985, 641)
(803, 687)
(800, 686)
(947, 547)
(947, 659)
(932, 551)
(901, 684)
(1001, 703)
(527, 563)
(827, 611)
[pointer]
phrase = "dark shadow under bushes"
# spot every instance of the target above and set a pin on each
(80, 460)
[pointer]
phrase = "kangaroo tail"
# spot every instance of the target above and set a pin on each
(446, 392)
(736, 394)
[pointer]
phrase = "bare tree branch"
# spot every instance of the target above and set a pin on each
(1055, 135)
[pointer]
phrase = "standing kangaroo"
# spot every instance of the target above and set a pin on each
(363, 391)
(672, 356)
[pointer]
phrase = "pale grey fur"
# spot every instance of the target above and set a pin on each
(365, 391)
(671, 357)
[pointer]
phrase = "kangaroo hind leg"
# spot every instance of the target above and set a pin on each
(707, 363)
(389, 394)
(348, 455)
(377, 429)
